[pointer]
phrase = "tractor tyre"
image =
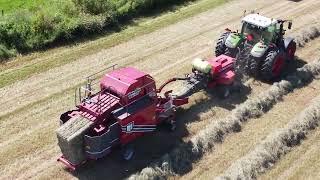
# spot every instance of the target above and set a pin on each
(242, 62)
(253, 66)
(220, 46)
(231, 52)
(291, 50)
(272, 66)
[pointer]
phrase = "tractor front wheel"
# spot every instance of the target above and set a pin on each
(273, 65)
(231, 52)
(220, 46)
(254, 66)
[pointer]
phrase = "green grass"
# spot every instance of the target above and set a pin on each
(139, 27)
(9, 5)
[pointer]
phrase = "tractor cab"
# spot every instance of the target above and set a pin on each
(259, 28)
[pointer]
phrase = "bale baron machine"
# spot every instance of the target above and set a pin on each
(127, 106)
(260, 46)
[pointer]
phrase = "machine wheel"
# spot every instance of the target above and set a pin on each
(172, 123)
(128, 152)
(223, 91)
(291, 50)
(273, 65)
(220, 46)
(173, 127)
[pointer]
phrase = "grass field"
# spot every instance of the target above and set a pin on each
(39, 25)
(10, 5)
(23, 67)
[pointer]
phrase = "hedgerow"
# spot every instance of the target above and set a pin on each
(55, 22)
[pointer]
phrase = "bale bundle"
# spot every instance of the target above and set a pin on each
(70, 138)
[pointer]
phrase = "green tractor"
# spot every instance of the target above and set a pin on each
(267, 52)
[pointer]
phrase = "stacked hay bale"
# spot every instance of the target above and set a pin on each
(70, 138)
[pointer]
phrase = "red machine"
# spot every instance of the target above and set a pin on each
(128, 105)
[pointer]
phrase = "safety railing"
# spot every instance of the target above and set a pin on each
(84, 93)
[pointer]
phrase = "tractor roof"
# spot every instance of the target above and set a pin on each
(258, 20)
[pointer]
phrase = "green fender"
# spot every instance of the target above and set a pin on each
(259, 49)
(233, 40)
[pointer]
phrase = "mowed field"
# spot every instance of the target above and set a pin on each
(30, 108)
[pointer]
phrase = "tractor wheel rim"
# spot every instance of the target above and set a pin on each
(277, 65)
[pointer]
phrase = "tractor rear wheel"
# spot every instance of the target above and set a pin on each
(220, 46)
(273, 64)
(291, 50)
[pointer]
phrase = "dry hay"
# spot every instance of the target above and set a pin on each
(180, 160)
(307, 35)
(275, 145)
(70, 138)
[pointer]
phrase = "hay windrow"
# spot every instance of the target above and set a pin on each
(275, 145)
(70, 138)
(180, 160)
(307, 35)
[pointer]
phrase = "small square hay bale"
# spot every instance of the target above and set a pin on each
(71, 138)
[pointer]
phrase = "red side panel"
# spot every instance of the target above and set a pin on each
(135, 125)
(222, 69)
(221, 63)
(226, 78)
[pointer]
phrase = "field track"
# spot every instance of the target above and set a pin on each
(30, 108)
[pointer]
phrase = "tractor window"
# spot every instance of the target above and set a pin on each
(268, 33)
(258, 33)
(253, 30)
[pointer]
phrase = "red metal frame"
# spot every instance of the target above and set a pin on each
(68, 164)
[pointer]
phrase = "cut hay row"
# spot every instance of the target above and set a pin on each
(275, 145)
(180, 160)
(307, 35)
